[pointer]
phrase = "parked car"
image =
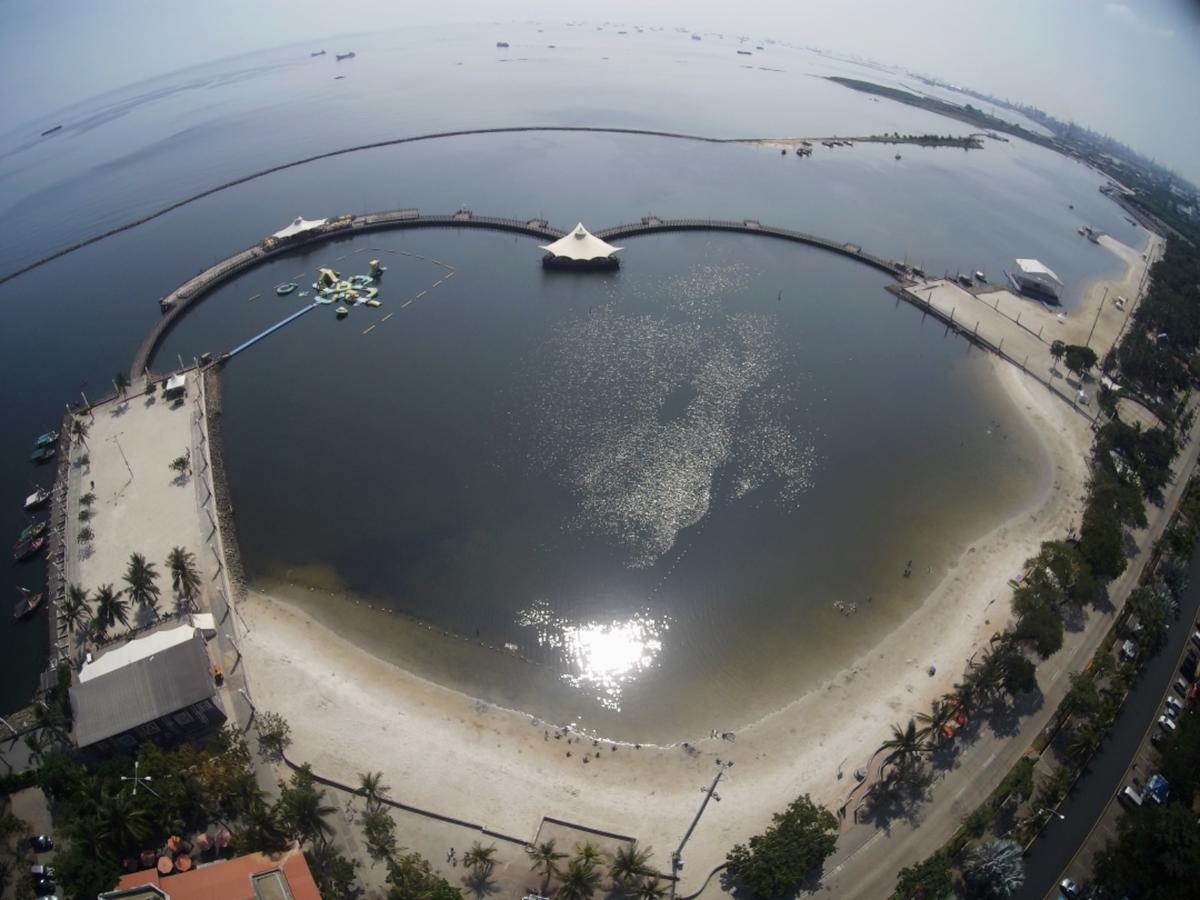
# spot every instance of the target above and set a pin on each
(1170, 711)
(1182, 685)
(1166, 723)
(44, 886)
(40, 871)
(41, 843)
(1196, 636)
(1129, 795)
(1069, 888)
(1174, 702)
(1129, 650)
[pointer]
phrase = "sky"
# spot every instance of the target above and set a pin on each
(1128, 69)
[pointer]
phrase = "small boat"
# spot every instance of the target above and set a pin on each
(373, 302)
(37, 498)
(979, 276)
(318, 53)
(52, 130)
(26, 549)
(502, 44)
(27, 604)
(964, 280)
(47, 439)
(342, 312)
(32, 530)
(342, 56)
(284, 289)
(42, 455)
(897, 156)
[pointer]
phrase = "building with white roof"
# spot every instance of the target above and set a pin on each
(1035, 277)
(299, 226)
(580, 249)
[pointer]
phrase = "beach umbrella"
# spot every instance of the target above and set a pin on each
(222, 838)
(183, 862)
(165, 866)
(202, 841)
(173, 843)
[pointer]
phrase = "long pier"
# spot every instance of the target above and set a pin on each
(180, 300)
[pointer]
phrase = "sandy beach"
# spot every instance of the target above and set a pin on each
(443, 750)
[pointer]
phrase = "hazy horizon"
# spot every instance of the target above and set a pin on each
(1118, 68)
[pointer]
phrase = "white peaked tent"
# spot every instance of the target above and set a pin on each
(1033, 273)
(580, 245)
(299, 226)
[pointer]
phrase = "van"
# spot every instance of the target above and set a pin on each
(1129, 795)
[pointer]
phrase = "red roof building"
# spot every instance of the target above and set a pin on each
(255, 876)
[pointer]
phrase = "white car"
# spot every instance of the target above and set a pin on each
(1069, 888)
(1175, 703)
(1170, 711)
(1166, 723)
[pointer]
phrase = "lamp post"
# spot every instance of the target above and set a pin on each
(1051, 812)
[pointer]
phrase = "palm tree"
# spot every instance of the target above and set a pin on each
(546, 858)
(1057, 350)
(121, 822)
(79, 430)
(905, 743)
(111, 608)
(185, 577)
(939, 716)
(305, 813)
(371, 786)
(995, 868)
(121, 382)
(74, 610)
(480, 859)
(139, 580)
(87, 500)
(629, 863)
(85, 535)
(650, 889)
(579, 882)
(589, 854)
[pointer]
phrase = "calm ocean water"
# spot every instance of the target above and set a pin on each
(758, 441)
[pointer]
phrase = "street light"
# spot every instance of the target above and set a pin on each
(1051, 812)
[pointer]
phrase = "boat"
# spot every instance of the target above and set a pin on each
(26, 549)
(27, 604)
(52, 130)
(45, 440)
(342, 312)
(1034, 277)
(37, 498)
(695, 37)
(744, 53)
(318, 53)
(42, 455)
(965, 280)
(897, 156)
(979, 276)
(373, 302)
(342, 56)
(33, 529)
(503, 45)
(284, 289)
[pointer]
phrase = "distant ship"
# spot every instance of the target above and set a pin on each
(745, 53)
(342, 56)
(695, 37)
(52, 130)
(503, 44)
(318, 53)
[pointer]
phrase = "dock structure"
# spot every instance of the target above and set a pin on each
(175, 304)
(262, 334)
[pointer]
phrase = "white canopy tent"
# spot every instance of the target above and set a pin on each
(580, 244)
(299, 226)
(1036, 274)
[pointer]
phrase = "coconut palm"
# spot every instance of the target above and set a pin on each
(589, 854)
(906, 743)
(185, 577)
(85, 535)
(140, 585)
(87, 500)
(302, 809)
(995, 868)
(650, 889)
(121, 823)
(74, 610)
(545, 857)
(111, 608)
(371, 786)
(579, 882)
(480, 859)
(79, 430)
(629, 863)
(939, 716)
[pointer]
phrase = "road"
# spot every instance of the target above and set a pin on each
(1052, 856)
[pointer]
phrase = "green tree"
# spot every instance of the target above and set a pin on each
(650, 889)
(995, 868)
(480, 859)
(579, 882)
(121, 822)
(79, 430)
(1083, 699)
(260, 829)
(1079, 359)
(1181, 759)
(371, 786)
(111, 608)
(1101, 542)
(930, 879)
(1057, 350)
(1042, 627)
(181, 465)
(630, 863)
(185, 576)
(1156, 854)
(793, 848)
(940, 714)
(905, 744)
(73, 611)
(379, 831)
(274, 734)
(545, 857)
(86, 535)
(1017, 674)
(589, 853)
(335, 874)
(410, 877)
(301, 809)
(121, 383)
(140, 585)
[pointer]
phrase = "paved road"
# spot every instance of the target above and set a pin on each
(1050, 855)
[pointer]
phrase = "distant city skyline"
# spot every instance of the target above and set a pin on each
(1124, 69)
